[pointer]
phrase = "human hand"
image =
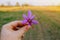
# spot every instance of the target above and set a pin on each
(13, 30)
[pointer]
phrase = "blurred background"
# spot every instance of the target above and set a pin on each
(47, 13)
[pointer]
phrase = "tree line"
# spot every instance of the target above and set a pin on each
(17, 4)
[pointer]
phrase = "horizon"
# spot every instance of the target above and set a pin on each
(30, 2)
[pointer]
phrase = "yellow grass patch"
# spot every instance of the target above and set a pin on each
(15, 8)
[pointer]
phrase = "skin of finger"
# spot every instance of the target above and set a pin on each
(6, 33)
(12, 24)
(8, 26)
(23, 30)
(15, 23)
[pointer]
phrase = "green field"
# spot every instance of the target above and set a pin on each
(47, 29)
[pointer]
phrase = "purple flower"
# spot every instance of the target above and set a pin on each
(29, 19)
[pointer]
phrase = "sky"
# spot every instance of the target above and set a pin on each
(32, 2)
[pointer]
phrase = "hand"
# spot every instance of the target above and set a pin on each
(13, 30)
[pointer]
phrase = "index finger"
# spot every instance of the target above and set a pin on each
(12, 25)
(15, 23)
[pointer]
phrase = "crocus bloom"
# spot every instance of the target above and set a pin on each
(29, 19)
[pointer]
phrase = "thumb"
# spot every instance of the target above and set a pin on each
(22, 30)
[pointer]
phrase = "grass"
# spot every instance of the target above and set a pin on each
(17, 8)
(47, 29)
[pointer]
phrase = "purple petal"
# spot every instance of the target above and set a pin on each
(24, 22)
(32, 17)
(24, 16)
(34, 22)
(29, 14)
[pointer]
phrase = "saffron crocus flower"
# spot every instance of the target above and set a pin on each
(29, 19)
